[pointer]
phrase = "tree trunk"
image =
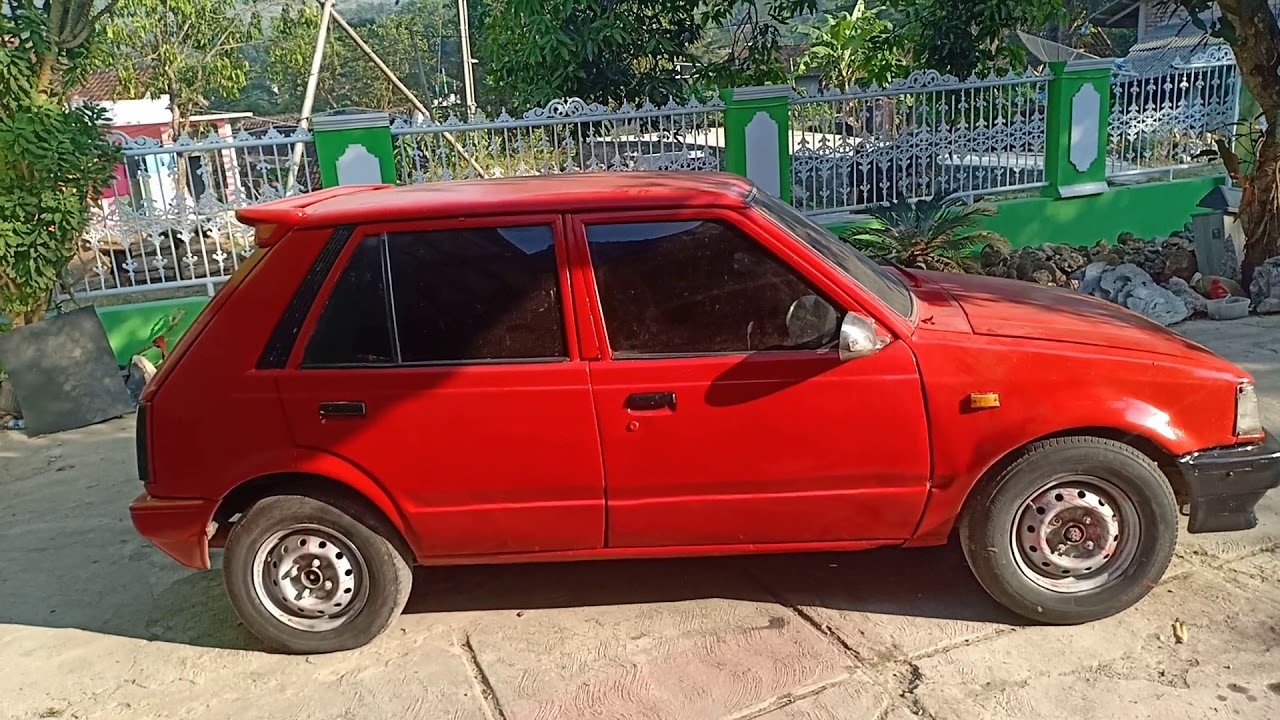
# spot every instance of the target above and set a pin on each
(1259, 206)
(1257, 51)
(178, 127)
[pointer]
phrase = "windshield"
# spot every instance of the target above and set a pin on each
(878, 281)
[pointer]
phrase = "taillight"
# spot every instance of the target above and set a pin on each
(140, 444)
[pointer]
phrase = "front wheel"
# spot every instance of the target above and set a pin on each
(1075, 529)
(306, 577)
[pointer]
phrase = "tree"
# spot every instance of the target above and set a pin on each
(540, 50)
(190, 50)
(610, 50)
(850, 47)
(53, 159)
(971, 38)
(409, 40)
(1251, 29)
(756, 30)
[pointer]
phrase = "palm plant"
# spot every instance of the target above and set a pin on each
(929, 234)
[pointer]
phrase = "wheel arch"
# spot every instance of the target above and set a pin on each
(1145, 445)
(320, 487)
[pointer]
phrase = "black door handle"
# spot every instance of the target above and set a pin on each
(346, 408)
(651, 401)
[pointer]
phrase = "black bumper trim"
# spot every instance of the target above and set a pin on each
(1226, 484)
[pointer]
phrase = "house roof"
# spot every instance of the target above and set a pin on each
(101, 86)
(1156, 55)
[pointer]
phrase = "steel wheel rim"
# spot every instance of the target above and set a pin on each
(1075, 534)
(311, 578)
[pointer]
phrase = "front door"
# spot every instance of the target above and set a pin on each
(437, 363)
(719, 428)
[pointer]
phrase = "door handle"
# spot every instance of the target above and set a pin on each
(345, 408)
(651, 401)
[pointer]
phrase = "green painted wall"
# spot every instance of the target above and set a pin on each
(1149, 210)
(130, 328)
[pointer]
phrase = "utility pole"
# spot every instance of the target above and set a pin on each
(309, 97)
(464, 35)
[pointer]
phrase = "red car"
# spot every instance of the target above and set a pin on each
(652, 365)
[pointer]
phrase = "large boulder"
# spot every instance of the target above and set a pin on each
(1134, 288)
(1264, 289)
(1196, 303)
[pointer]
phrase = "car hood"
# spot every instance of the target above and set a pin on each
(1013, 308)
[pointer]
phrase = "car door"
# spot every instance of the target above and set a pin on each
(717, 427)
(436, 360)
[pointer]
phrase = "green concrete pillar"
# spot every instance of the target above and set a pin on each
(354, 149)
(1075, 162)
(757, 136)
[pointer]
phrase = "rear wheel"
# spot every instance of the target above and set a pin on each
(306, 577)
(1075, 529)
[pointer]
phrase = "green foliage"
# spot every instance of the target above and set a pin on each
(188, 49)
(409, 41)
(971, 38)
(540, 50)
(756, 30)
(604, 51)
(932, 234)
(53, 159)
(850, 47)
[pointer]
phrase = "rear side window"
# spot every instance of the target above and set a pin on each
(444, 297)
(353, 329)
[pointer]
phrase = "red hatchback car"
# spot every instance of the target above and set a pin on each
(645, 365)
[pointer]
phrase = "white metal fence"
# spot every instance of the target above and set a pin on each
(925, 133)
(1164, 119)
(564, 137)
(169, 220)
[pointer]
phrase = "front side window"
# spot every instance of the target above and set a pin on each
(862, 269)
(444, 296)
(696, 288)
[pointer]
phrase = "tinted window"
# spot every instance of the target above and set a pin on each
(692, 288)
(476, 294)
(862, 269)
(353, 327)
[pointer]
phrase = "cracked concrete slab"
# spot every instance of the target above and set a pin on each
(713, 656)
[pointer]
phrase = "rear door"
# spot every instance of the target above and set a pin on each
(436, 360)
(717, 427)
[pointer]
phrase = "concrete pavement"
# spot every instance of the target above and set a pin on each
(94, 623)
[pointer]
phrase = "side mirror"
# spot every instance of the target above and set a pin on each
(858, 337)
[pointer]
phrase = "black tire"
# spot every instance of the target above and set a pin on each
(386, 573)
(987, 532)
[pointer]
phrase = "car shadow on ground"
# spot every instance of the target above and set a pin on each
(931, 583)
(926, 583)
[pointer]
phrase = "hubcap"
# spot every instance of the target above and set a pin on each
(311, 578)
(1075, 534)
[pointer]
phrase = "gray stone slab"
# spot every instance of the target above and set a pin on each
(64, 372)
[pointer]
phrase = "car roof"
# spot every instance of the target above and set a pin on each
(577, 192)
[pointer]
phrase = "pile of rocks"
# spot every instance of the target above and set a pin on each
(1053, 264)
(1131, 286)
(1158, 278)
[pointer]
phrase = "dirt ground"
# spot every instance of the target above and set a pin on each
(94, 623)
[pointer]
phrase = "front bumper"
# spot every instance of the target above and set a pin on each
(1225, 484)
(178, 527)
